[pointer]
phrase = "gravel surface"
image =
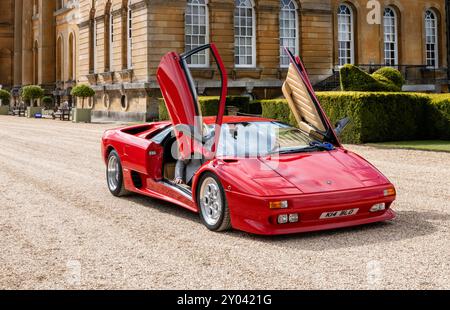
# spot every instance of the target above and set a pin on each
(60, 227)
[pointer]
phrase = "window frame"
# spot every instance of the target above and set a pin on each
(352, 34)
(253, 39)
(111, 41)
(395, 33)
(297, 40)
(129, 36)
(207, 34)
(436, 35)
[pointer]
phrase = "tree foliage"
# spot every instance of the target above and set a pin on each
(5, 96)
(83, 91)
(32, 93)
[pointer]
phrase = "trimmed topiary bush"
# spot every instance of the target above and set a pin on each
(5, 97)
(83, 91)
(47, 102)
(391, 74)
(32, 93)
(355, 79)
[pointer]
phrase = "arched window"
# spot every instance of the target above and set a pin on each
(390, 37)
(92, 39)
(346, 46)
(197, 31)
(108, 37)
(59, 59)
(35, 7)
(94, 45)
(431, 39)
(244, 34)
(71, 58)
(111, 41)
(36, 63)
(288, 30)
(129, 36)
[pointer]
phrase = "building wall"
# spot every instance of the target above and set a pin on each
(6, 42)
(131, 92)
(411, 33)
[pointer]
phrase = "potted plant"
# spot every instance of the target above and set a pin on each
(4, 101)
(82, 115)
(33, 93)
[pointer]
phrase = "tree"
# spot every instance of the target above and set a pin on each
(4, 96)
(82, 91)
(32, 93)
(47, 101)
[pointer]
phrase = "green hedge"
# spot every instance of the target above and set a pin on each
(439, 116)
(383, 80)
(393, 75)
(378, 117)
(210, 105)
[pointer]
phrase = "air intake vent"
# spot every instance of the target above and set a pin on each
(137, 180)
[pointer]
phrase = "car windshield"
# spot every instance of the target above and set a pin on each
(252, 139)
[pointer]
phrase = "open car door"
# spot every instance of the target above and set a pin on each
(300, 95)
(180, 95)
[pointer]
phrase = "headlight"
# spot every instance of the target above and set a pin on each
(378, 207)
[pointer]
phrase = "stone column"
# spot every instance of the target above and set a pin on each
(27, 42)
(47, 54)
(18, 42)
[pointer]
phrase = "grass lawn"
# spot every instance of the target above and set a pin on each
(431, 145)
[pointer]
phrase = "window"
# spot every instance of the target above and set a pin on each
(288, 30)
(94, 45)
(345, 35)
(111, 41)
(390, 37)
(196, 31)
(129, 37)
(244, 34)
(431, 39)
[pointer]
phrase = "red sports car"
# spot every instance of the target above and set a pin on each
(252, 174)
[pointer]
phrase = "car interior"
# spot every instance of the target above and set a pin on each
(170, 145)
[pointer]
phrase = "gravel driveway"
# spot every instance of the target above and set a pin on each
(60, 227)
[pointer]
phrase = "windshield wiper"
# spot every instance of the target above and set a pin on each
(313, 146)
(323, 146)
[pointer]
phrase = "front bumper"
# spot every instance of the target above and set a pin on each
(253, 215)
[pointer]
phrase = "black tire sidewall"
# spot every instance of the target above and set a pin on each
(224, 201)
(119, 188)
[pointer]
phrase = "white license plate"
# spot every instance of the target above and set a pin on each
(342, 213)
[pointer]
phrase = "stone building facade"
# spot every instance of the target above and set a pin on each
(6, 43)
(116, 45)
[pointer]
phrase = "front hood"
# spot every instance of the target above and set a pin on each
(325, 171)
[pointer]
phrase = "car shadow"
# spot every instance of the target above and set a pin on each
(407, 225)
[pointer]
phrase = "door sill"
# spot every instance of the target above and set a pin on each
(182, 190)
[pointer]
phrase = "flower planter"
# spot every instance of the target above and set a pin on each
(32, 111)
(4, 109)
(81, 115)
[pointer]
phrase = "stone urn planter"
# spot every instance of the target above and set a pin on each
(4, 109)
(32, 111)
(81, 115)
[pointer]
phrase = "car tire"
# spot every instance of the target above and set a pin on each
(114, 175)
(212, 203)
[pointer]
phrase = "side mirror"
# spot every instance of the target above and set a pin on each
(340, 126)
